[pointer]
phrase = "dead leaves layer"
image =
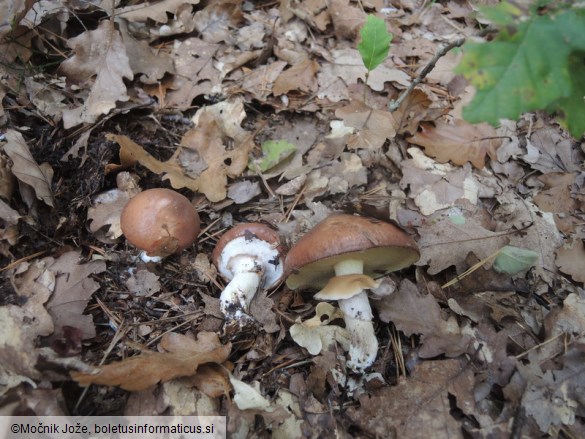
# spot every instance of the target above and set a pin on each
(149, 368)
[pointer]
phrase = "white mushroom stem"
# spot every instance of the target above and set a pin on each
(246, 276)
(358, 321)
(235, 299)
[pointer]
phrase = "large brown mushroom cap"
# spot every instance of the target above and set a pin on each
(160, 222)
(381, 246)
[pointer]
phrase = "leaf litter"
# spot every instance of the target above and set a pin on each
(262, 113)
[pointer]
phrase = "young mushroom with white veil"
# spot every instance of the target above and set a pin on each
(341, 255)
(250, 257)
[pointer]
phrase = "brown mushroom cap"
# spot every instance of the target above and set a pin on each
(160, 222)
(261, 231)
(381, 246)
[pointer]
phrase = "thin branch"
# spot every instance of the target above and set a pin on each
(446, 48)
(394, 105)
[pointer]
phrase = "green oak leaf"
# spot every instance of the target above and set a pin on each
(525, 68)
(503, 13)
(273, 153)
(375, 42)
(573, 106)
(512, 260)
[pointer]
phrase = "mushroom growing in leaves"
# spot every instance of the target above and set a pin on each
(160, 222)
(341, 255)
(250, 257)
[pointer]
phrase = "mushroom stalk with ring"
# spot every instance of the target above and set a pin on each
(357, 314)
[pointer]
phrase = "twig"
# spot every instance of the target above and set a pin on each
(394, 105)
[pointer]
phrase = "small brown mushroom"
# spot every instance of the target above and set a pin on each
(250, 257)
(160, 222)
(341, 255)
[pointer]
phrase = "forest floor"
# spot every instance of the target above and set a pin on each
(258, 111)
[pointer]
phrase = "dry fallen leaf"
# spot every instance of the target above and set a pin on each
(34, 282)
(571, 259)
(99, 53)
(260, 81)
(347, 19)
(149, 368)
(458, 142)
(435, 186)
(418, 407)
(156, 11)
(202, 162)
(107, 207)
(143, 59)
(548, 150)
(556, 196)
(212, 379)
(299, 77)
(447, 239)
(248, 397)
(143, 283)
(26, 169)
(349, 66)
(413, 313)
(18, 354)
(216, 21)
(73, 289)
(195, 72)
(411, 112)
(374, 126)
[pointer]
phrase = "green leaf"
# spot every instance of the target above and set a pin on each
(273, 153)
(375, 42)
(573, 106)
(503, 13)
(512, 260)
(525, 68)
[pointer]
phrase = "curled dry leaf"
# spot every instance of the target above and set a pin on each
(458, 142)
(107, 207)
(149, 368)
(248, 397)
(26, 169)
(212, 379)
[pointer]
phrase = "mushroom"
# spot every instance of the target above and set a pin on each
(340, 255)
(160, 222)
(249, 256)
